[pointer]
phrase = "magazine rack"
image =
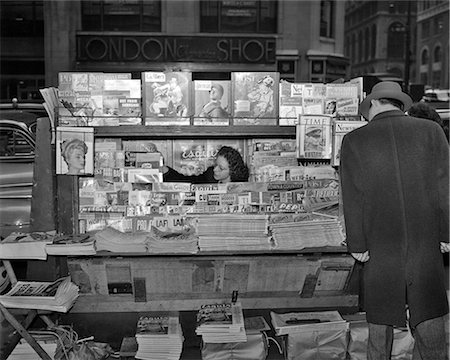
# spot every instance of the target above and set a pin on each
(22, 327)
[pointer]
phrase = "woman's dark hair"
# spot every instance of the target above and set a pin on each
(238, 170)
(424, 111)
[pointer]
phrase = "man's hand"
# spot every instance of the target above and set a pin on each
(445, 247)
(363, 257)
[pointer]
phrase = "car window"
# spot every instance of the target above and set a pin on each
(14, 142)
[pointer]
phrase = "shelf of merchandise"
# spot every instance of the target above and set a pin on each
(298, 270)
(183, 132)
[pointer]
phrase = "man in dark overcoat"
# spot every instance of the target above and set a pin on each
(395, 193)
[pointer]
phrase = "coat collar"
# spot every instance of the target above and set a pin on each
(388, 114)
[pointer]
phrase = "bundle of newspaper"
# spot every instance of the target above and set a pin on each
(222, 232)
(296, 322)
(58, 295)
(82, 244)
(221, 323)
(305, 230)
(114, 240)
(18, 245)
(24, 351)
(159, 338)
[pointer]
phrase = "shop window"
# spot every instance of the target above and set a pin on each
(396, 40)
(22, 18)
(121, 15)
(327, 18)
(238, 16)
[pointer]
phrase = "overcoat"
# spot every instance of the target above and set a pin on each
(395, 193)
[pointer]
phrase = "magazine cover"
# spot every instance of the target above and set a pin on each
(212, 102)
(291, 102)
(193, 157)
(314, 137)
(255, 97)
(166, 97)
(340, 128)
(75, 150)
(122, 102)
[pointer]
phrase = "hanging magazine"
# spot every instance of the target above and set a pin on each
(314, 137)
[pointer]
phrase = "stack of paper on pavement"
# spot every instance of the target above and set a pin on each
(58, 295)
(220, 232)
(81, 244)
(159, 338)
(221, 323)
(307, 321)
(299, 231)
(24, 351)
(116, 241)
(19, 245)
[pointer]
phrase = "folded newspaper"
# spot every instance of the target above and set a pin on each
(306, 321)
(58, 295)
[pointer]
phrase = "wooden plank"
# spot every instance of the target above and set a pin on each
(210, 132)
(67, 204)
(126, 303)
(42, 216)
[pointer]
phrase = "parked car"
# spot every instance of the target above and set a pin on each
(17, 152)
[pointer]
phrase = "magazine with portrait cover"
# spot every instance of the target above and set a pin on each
(166, 97)
(291, 102)
(212, 102)
(74, 150)
(255, 98)
(314, 137)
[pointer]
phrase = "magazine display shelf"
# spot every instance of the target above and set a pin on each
(133, 282)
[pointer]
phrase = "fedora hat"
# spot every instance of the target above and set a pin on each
(385, 90)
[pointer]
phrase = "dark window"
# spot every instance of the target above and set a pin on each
(437, 54)
(238, 16)
(424, 57)
(438, 25)
(22, 18)
(425, 29)
(353, 48)
(326, 18)
(396, 40)
(14, 142)
(114, 15)
(360, 46)
(366, 44)
(373, 43)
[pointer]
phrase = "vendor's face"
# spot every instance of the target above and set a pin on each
(76, 160)
(222, 170)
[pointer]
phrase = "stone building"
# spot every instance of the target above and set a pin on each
(303, 40)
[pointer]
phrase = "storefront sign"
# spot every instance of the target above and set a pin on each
(142, 48)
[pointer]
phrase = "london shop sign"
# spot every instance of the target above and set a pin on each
(156, 48)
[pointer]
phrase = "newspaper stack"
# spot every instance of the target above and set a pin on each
(71, 245)
(24, 351)
(159, 338)
(221, 323)
(19, 245)
(299, 231)
(222, 232)
(58, 295)
(296, 322)
(116, 241)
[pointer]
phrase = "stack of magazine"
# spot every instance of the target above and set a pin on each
(221, 323)
(18, 245)
(116, 241)
(296, 322)
(58, 295)
(243, 232)
(159, 338)
(71, 245)
(24, 351)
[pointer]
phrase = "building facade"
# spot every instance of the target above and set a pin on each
(376, 37)
(303, 40)
(433, 43)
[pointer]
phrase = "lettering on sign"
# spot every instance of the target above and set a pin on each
(141, 48)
